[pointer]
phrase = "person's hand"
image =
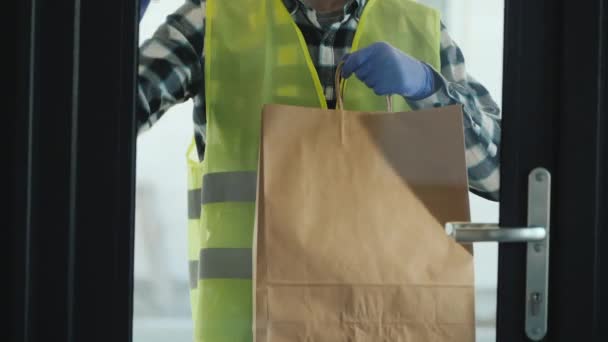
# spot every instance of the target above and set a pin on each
(389, 71)
(143, 6)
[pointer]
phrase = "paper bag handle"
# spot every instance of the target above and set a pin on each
(339, 89)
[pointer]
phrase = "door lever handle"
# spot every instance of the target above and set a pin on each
(466, 232)
(536, 235)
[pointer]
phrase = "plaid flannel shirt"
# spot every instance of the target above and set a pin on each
(171, 72)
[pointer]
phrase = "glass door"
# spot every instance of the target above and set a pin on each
(74, 230)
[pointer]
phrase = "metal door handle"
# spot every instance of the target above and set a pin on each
(490, 232)
(536, 235)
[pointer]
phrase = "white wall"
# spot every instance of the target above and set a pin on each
(161, 163)
(161, 302)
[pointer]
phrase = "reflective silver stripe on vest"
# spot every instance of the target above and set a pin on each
(194, 204)
(225, 263)
(193, 272)
(238, 186)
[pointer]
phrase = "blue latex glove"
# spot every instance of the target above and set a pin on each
(143, 6)
(389, 71)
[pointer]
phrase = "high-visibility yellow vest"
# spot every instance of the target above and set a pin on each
(255, 55)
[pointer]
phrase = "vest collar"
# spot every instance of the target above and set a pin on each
(351, 7)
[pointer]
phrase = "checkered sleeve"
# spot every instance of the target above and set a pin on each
(170, 63)
(481, 120)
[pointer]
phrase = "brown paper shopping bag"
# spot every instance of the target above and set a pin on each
(350, 243)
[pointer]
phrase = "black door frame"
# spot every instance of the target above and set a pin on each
(556, 116)
(73, 147)
(72, 157)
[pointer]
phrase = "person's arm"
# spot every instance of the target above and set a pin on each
(482, 117)
(171, 63)
(388, 71)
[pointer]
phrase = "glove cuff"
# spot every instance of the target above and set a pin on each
(428, 87)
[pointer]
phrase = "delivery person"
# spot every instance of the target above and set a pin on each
(232, 57)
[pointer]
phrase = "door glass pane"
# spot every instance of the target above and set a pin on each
(161, 288)
(477, 27)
